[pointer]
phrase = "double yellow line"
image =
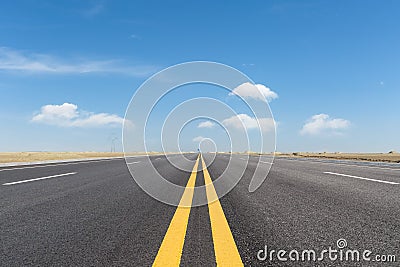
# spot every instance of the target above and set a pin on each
(226, 252)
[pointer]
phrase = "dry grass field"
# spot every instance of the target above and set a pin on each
(8, 157)
(385, 157)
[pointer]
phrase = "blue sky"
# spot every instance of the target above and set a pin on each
(333, 64)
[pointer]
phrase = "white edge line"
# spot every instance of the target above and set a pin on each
(342, 164)
(42, 162)
(41, 178)
(259, 161)
(362, 178)
(56, 164)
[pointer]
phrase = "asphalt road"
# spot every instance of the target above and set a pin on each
(94, 214)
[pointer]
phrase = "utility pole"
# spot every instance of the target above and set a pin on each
(113, 144)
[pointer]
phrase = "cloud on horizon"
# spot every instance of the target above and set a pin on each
(323, 124)
(244, 121)
(198, 139)
(68, 115)
(206, 124)
(254, 91)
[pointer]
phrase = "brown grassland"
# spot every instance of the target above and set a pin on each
(7, 157)
(384, 157)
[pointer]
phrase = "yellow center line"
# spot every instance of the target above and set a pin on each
(170, 251)
(226, 252)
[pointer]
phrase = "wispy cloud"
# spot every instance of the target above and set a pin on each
(136, 37)
(198, 139)
(254, 91)
(25, 62)
(322, 123)
(68, 115)
(206, 124)
(93, 10)
(245, 122)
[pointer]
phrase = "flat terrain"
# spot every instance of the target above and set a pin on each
(7, 157)
(384, 157)
(92, 213)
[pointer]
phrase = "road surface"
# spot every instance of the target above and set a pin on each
(93, 213)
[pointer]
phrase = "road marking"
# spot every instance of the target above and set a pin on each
(171, 248)
(157, 158)
(362, 178)
(57, 164)
(133, 162)
(259, 161)
(41, 178)
(226, 252)
(343, 164)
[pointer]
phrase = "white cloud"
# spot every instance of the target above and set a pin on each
(244, 121)
(68, 115)
(206, 124)
(322, 123)
(257, 91)
(22, 61)
(198, 139)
